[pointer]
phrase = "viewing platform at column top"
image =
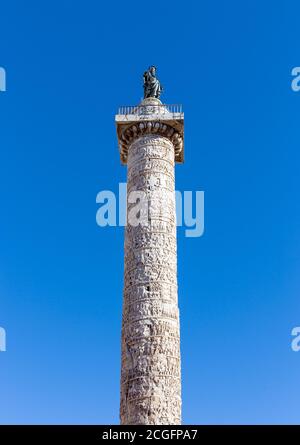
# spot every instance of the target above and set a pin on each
(150, 116)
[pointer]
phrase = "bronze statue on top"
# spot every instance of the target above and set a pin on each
(152, 86)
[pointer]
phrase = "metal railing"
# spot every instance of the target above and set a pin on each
(151, 109)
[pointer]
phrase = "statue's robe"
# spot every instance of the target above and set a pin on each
(152, 85)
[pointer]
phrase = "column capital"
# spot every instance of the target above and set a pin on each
(150, 117)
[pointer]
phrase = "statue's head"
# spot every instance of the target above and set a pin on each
(152, 69)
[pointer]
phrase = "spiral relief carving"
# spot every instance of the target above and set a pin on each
(150, 376)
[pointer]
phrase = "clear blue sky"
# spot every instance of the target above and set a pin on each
(69, 66)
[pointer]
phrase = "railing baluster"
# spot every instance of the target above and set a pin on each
(141, 109)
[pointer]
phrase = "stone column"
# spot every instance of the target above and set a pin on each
(150, 143)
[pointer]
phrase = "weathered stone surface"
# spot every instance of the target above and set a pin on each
(150, 372)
